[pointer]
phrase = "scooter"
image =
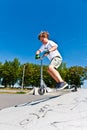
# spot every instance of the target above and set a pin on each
(42, 89)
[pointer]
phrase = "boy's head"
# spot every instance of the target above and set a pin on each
(43, 35)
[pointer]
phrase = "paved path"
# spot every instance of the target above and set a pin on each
(8, 100)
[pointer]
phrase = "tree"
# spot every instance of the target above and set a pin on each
(0, 73)
(10, 72)
(15, 71)
(75, 75)
(63, 70)
(85, 72)
(31, 74)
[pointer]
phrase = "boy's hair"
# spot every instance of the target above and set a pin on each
(43, 34)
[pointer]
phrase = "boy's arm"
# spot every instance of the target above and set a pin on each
(53, 48)
(38, 52)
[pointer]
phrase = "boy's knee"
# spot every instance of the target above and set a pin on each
(50, 67)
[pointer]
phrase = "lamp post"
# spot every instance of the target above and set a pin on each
(23, 78)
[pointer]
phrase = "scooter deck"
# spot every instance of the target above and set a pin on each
(58, 92)
(49, 90)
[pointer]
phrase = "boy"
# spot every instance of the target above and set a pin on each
(50, 50)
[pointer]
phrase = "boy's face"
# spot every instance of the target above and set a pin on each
(43, 40)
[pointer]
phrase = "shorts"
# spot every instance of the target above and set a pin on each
(56, 62)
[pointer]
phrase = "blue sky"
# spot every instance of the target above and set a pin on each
(22, 20)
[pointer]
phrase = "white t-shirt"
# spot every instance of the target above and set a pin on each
(49, 45)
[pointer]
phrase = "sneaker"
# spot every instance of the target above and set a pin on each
(61, 85)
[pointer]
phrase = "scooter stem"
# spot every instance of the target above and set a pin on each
(41, 74)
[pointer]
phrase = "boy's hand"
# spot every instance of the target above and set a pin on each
(46, 52)
(37, 56)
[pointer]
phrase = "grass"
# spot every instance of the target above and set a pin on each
(21, 92)
(13, 91)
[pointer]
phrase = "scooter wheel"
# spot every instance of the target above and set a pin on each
(41, 91)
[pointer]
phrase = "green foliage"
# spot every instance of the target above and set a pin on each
(75, 75)
(9, 72)
(21, 92)
(12, 72)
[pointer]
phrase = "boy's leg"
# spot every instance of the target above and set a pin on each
(54, 74)
(55, 63)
